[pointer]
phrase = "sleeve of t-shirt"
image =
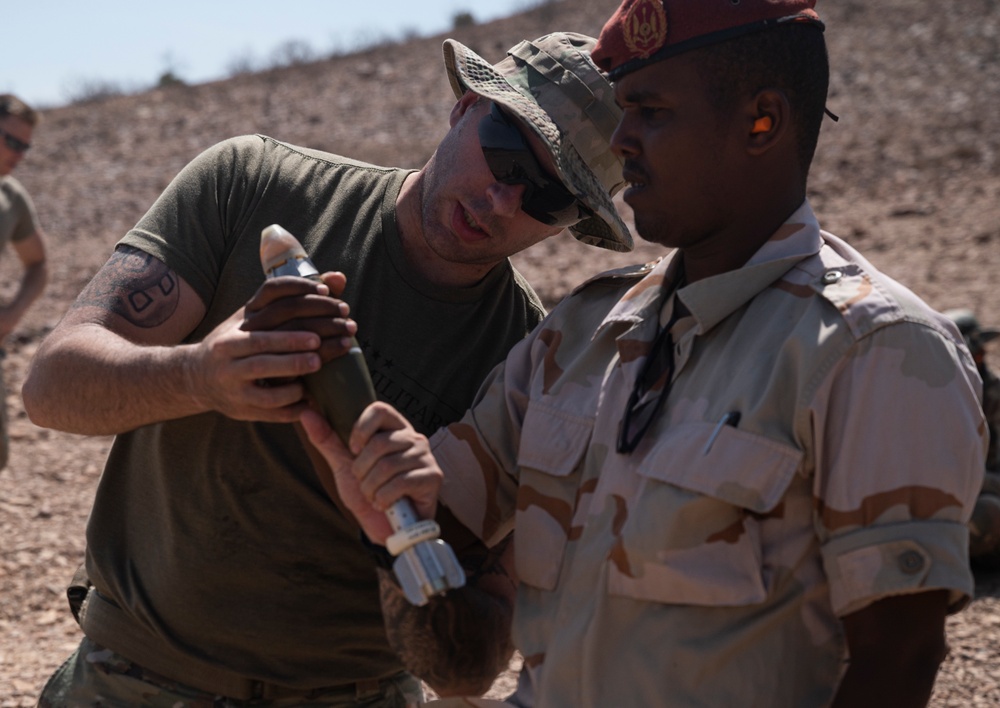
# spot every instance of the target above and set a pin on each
(27, 222)
(188, 225)
(899, 450)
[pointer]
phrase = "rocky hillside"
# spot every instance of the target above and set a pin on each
(910, 174)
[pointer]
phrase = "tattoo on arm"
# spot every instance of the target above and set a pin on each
(458, 643)
(134, 285)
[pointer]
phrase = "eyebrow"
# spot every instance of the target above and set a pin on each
(639, 96)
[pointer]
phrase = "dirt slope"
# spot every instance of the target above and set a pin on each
(909, 175)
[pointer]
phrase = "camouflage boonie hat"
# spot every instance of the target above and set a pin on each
(551, 84)
(976, 336)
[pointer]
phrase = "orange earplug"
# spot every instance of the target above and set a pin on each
(761, 125)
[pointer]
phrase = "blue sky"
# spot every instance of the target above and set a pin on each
(53, 47)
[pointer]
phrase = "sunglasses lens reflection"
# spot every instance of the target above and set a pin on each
(511, 161)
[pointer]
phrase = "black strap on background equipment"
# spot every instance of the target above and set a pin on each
(77, 591)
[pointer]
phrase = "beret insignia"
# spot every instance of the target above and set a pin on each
(645, 28)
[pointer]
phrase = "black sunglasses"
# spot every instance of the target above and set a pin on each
(638, 419)
(511, 161)
(13, 143)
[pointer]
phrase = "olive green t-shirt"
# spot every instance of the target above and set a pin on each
(18, 220)
(212, 545)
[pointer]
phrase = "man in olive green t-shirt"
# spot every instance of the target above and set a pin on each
(219, 564)
(18, 227)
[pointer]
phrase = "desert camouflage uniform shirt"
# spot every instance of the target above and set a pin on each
(709, 567)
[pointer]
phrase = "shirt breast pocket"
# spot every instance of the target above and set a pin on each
(553, 443)
(693, 530)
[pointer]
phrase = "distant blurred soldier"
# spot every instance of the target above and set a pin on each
(984, 527)
(976, 337)
(18, 226)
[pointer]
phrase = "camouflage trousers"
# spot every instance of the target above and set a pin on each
(95, 677)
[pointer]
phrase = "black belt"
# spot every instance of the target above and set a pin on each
(359, 690)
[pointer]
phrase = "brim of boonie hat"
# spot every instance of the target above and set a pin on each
(988, 334)
(467, 71)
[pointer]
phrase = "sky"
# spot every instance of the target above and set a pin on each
(53, 50)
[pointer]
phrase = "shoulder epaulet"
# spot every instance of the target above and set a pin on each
(625, 274)
(866, 299)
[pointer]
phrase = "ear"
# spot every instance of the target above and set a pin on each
(467, 101)
(768, 121)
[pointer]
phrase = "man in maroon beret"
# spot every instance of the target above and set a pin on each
(740, 476)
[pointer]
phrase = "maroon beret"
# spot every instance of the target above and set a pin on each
(645, 31)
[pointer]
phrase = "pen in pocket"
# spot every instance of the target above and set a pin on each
(731, 418)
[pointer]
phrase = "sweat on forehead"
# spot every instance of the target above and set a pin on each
(642, 32)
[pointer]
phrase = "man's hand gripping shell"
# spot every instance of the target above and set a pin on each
(387, 460)
(250, 365)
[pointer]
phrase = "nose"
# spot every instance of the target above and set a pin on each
(623, 142)
(505, 198)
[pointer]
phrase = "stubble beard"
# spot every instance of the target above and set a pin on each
(650, 229)
(439, 238)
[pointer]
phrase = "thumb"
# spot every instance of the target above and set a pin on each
(335, 281)
(325, 440)
(338, 459)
